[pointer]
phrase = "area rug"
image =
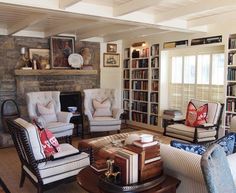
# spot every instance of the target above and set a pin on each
(10, 172)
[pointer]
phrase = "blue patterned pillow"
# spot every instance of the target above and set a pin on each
(228, 143)
(194, 148)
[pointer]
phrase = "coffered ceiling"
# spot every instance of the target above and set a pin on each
(111, 20)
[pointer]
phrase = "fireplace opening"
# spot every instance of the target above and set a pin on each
(74, 98)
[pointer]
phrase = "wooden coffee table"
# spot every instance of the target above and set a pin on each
(88, 179)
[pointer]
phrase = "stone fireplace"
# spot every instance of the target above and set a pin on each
(64, 83)
(15, 83)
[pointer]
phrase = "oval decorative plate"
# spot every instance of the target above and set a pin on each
(75, 60)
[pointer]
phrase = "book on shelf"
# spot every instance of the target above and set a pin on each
(174, 118)
(141, 144)
(172, 112)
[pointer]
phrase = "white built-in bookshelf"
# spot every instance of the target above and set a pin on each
(230, 103)
(141, 85)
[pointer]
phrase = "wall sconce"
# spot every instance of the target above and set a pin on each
(139, 44)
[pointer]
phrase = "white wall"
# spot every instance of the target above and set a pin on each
(111, 77)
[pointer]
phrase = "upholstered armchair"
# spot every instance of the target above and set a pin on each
(102, 110)
(44, 171)
(202, 131)
(45, 108)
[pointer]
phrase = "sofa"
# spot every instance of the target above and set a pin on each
(177, 162)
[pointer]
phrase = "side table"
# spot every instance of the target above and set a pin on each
(77, 119)
(169, 185)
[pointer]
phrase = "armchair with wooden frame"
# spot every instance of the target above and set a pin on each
(44, 172)
(201, 133)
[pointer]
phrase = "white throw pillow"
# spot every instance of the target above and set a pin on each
(47, 112)
(102, 108)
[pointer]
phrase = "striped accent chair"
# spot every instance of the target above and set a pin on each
(44, 172)
(107, 117)
(201, 133)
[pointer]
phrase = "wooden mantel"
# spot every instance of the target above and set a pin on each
(54, 72)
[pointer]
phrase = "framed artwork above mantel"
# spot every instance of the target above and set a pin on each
(61, 48)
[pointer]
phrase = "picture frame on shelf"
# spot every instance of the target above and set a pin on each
(61, 48)
(111, 48)
(41, 56)
(111, 60)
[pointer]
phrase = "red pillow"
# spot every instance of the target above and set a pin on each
(196, 117)
(48, 140)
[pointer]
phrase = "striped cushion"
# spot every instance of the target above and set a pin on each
(58, 169)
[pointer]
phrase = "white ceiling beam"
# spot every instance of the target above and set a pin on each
(68, 27)
(105, 30)
(131, 6)
(91, 27)
(132, 34)
(30, 20)
(211, 19)
(63, 4)
(199, 7)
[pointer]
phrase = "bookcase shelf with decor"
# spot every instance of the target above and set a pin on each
(126, 82)
(230, 99)
(143, 84)
(154, 109)
(139, 85)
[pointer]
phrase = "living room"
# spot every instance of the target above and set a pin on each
(106, 29)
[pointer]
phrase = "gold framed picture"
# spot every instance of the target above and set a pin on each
(112, 48)
(41, 56)
(111, 60)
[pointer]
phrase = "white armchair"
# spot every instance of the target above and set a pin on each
(101, 108)
(45, 108)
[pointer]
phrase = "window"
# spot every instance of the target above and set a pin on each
(189, 69)
(199, 76)
(177, 70)
(203, 68)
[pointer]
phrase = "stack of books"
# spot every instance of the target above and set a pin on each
(127, 162)
(173, 114)
(150, 162)
(139, 162)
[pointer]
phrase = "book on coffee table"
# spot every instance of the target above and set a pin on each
(141, 144)
(99, 165)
